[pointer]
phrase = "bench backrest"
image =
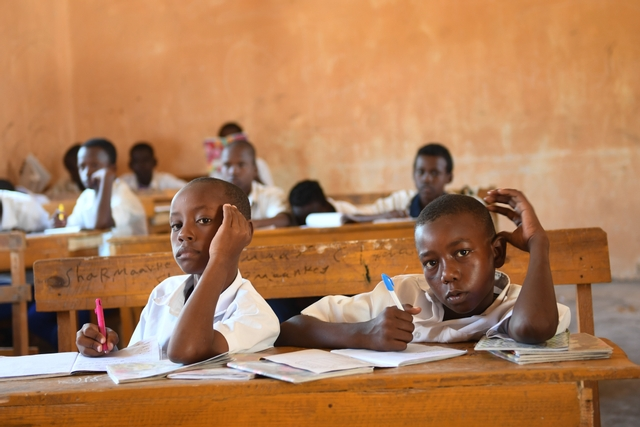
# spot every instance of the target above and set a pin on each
(578, 256)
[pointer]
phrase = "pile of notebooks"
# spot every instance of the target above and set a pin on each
(561, 347)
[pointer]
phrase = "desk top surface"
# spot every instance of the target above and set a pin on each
(472, 369)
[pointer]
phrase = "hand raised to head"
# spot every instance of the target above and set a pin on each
(520, 211)
(233, 235)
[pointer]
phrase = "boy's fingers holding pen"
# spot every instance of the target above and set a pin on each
(408, 308)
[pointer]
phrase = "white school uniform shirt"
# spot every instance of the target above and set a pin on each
(343, 207)
(23, 212)
(396, 201)
(429, 325)
(159, 181)
(126, 209)
(266, 201)
(242, 316)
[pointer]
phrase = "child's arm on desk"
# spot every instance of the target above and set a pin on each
(91, 342)
(283, 219)
(194, 338)
(391, 330)
(535, 314)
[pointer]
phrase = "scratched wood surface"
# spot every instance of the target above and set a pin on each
(475, 389)
(64, 285)
(47, 246)
(278, 236)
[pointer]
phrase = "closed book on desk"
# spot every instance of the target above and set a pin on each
(581, 347)
(414, 354)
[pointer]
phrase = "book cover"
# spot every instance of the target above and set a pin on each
(558, 343)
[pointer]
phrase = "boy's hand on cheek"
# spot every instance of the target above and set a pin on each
(391, 330)
(521, 213)
(108, 175)
(233, 235)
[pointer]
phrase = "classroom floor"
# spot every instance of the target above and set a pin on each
(616, 308)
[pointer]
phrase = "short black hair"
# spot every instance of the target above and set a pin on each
(229, 128)
(437, 150)
(104, 144)
(141, 146)
(232, 193)
(243, 144)
(455, 204)
(71, 156)
(5, 184)
(306, 192)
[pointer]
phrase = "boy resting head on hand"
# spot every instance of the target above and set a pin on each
(211, 309)
(461, 295)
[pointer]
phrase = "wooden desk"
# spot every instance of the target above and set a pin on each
(48, 246)
(278, 236)
(475, 389)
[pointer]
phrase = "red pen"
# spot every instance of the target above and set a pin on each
(101, 324)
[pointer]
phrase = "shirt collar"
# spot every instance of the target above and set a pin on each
(175, 300)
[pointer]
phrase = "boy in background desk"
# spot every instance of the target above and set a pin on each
(211, 309)
(107, 202)
(432, 171)
(142, 161)
(461, 295)
(268, 203)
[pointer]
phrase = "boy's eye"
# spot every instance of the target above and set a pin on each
(176, 226)
(204, 220)
(429, 264)
(463, 252)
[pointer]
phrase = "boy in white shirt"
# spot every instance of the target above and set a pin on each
(107, 202)
(461, 295)
(211, 309)
(268, 203)
(142, 161)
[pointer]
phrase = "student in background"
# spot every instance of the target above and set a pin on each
(233, 129)
(307, 197)
(107, 202)
(268, 203)
(211, 309)
(142, 161)
(71, 186)
(432, 171)
(19, 211)
(461, 295)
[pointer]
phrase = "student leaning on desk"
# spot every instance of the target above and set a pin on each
(461, 295)
(211, 309)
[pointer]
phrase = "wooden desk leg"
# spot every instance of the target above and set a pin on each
(589, 404)
(67, 328)
(19, 319)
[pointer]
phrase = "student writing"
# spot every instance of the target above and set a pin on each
(461, 295)
(211, 309)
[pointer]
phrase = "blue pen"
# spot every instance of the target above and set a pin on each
(389, 284)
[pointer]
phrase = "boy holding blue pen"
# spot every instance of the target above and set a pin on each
(461, 295)
(212, 309)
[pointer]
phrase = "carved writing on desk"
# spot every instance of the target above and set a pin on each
(160, 270)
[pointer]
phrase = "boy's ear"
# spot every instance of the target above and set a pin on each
(450, 178)
(499, 246)
(250, 232)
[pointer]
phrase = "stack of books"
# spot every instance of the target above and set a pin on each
(560, 348)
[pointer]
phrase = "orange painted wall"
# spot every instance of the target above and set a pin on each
(542, 96)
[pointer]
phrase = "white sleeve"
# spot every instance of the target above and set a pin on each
(397, 201)
(276, 202)
(252, 325)
(127, 212)
(500, 328)
(169, 182)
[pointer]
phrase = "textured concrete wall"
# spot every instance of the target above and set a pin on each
(542, 96)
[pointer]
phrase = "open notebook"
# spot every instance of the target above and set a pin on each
(68, 363)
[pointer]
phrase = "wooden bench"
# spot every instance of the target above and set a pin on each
(578, 256)
(278, 236)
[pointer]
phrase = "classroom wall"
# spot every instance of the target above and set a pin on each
(542, 96)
